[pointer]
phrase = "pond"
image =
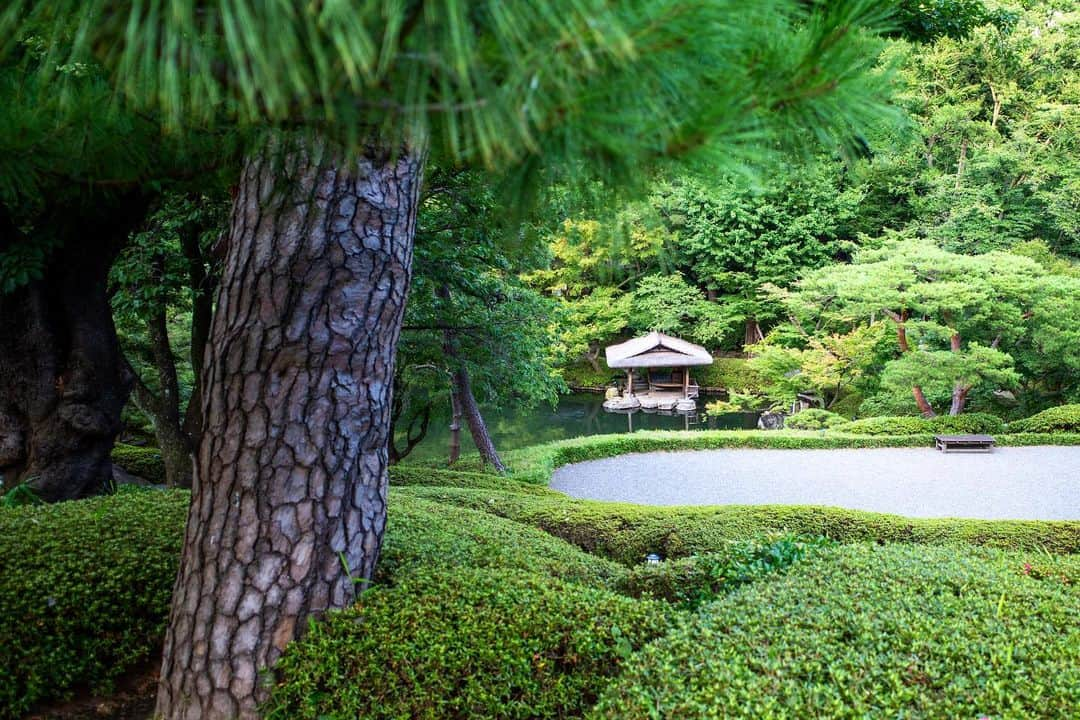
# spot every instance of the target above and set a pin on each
(576, 415)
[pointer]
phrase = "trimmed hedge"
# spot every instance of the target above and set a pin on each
(968, 423)
(867, 631)
(536, 464)
(418, 475)
(814, 419)
(424, 535)
(1064, 418)
(144, 462)
(626, 533)
(465, 644)
(697, 579)
(84, 591)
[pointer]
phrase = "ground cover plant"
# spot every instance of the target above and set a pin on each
(871, 631)
(466, 643)
(84, 592)
(550, 594)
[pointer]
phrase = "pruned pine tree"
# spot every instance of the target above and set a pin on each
(289, 499)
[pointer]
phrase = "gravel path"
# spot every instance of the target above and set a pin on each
(1026, 483)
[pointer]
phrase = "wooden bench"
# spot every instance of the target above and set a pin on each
(964, 443)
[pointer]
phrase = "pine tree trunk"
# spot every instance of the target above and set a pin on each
(63, 382)
(923, 404)
(289, 502)
(959, 398)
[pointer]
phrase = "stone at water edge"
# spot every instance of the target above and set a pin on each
(771, 421)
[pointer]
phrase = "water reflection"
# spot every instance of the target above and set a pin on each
(575, 416)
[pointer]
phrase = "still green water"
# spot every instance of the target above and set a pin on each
(576, 415)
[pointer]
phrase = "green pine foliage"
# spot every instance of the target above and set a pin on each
(865, 630)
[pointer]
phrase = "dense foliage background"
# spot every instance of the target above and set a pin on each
(963, 229)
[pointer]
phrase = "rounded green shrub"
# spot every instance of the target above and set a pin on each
(84, 591)
(626, 533)
(886, 425)
(967, 424)
(697, 579)
(144, 462)
(866, 631)
(1064, 418)
(814, 419)
(465, 644)
(421, 534)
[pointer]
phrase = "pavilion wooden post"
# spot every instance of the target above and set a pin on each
(686, 383)
(629, 382)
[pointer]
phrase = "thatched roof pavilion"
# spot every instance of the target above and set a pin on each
(658, 351)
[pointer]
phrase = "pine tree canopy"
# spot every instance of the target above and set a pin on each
(493, 81)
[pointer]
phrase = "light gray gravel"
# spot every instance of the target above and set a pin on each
(1027, 483)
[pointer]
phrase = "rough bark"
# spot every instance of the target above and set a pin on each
(63, 382)
(289, 500)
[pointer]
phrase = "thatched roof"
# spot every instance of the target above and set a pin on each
(656, 350)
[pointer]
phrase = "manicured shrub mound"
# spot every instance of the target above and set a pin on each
(141, 461)
(867, 631)
(697, 579)
(968, 423)
(465, 644)
(814, 419)
(411, 475)
(626, 533)
(421, 534)
(1065, 418)
(84, 591)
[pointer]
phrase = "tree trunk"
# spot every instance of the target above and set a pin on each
(176, 447)
(900, 318)
(202, 285)
(477, 427)
(752, 335)
(959, 398)
(925, 407)
(63, 382)
(289, 501)
(455, 425)
(465, 403)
